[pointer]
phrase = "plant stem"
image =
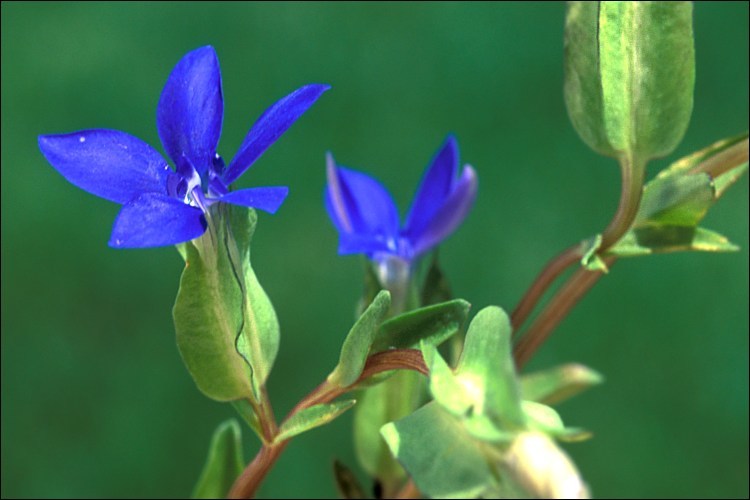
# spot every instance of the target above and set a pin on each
(632, 172)
(549, 274)
(246, 485)
(560, 305)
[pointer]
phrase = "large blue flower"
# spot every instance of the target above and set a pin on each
(162, 206)
(367, 218)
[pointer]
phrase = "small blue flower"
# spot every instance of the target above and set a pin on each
(162, 206)
(367, 218)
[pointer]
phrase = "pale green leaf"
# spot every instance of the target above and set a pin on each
(487, 371)
(647, 68)
(583, 92)
(434, 323)
(358, 342)
(558, 384)
(444, 462)
(224, 463)
(312, 417)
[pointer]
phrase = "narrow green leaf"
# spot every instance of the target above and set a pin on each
(444, 462)
(545, 419)
(357, 344)
(558, 384)
(726, 180)
(246, 411)
(434, 323)
(584, 96)
(647, 67)
(486, 368)
(224, 463)
(722, 155)
(312, 417)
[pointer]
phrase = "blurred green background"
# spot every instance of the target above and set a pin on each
(95, 399)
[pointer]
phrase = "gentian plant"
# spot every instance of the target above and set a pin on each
(433, 418)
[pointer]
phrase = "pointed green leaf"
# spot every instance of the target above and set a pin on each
(486, 368)
(434, 323)
(545, 419)
(208, 317)
(629, 75)
(444, 462)
(558, 384)
(444, 385)
(591, 259)
(726, 180)
(224, 463)
(357, 344)
(722, 155)
(227, 331)
(247, 412)
(312, 417)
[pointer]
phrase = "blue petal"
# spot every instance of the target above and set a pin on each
(154, 220)
(359, 204)
(449, 215)
(436, 185)
(191, 109)
(269, 127)
(108, 163)
(356, 243)
(268, 199)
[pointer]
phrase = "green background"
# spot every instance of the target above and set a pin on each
(95, 399)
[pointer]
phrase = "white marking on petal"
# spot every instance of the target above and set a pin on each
(82, 139)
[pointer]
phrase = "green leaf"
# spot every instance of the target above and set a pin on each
(258, 340)
(357, 344)
(227, 331)
(444, 385)
(630, 73)
(247, 412)
(676, 201)
(545, 419)
(441, 457)
(583, 92)
(434, 323)
(224, 463)
(312, 417)
(590, 258)
(558, 384)
(390, 400)
(486, 369)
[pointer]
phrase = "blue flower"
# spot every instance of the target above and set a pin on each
(367, 218)
(161, 206)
